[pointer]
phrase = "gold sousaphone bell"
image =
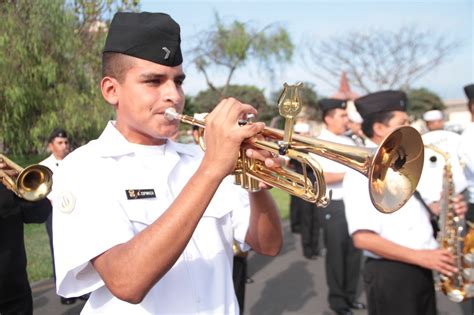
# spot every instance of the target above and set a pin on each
(393, 169)
(31, 183)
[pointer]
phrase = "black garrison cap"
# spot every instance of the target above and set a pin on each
(383, 101)
(331, 103)
(469, 90)
(57, 133)
(151, 36)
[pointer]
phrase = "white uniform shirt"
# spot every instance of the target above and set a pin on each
(466, 154)
(432, 177)
(410, 226)
(92, 214)
(331, 166)
(51, 162)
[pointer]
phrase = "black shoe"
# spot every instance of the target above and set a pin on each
(84, 297)
(68, 301)
(310, 257)
(357, 305)
(344, 312)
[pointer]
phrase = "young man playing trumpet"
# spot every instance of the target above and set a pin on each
(159, 217)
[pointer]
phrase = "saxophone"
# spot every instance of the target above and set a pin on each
(460, 285)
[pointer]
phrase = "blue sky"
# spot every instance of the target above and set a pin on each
(320, 20)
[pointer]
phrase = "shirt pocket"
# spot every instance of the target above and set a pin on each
(215, 231)
(142, 213)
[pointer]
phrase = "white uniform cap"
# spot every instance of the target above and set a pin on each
(354, 116)
(301, 127)
(433, 115)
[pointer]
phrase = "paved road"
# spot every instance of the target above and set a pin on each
(287, 284)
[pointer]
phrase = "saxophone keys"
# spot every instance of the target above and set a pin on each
(469, 259)
(469, 290)
(468, 274)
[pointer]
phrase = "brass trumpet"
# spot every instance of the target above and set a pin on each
(393, 169)
(32, 183)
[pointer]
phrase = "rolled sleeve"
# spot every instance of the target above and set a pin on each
(87, 221)
(360, 212)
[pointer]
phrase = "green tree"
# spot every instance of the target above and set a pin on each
(50, 69)
(422, 100)
(231, 47)
(206, 100)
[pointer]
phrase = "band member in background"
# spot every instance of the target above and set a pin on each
(434, 120)
(15, 291)
(466, 152)
(355, 128)
(342, 258)
(400, 248)
(59, 146)
(152, 221)
(304, 218)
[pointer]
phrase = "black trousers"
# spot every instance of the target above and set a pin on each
(20, 306)
(343, 260)
(49, 230)
(310, 226)
(470, 213)
(239, 276)
(295, 214)
(397, 288)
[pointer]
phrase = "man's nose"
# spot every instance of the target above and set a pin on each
(172, 92)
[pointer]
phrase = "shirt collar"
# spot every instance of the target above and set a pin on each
(112, 143)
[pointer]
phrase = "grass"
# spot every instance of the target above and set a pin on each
(37, 242)
(283, 201)
(37, 250)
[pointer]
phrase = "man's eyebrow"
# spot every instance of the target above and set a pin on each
(152, 76)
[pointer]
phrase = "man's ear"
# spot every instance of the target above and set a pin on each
(379, 129)
(109, 88)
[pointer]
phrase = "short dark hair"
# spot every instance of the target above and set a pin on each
(115, 65)
(371, 119)
(329, 112)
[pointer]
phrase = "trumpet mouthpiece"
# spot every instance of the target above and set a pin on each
(171, 114)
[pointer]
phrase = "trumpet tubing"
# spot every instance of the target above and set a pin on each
(393, 169)
(32, 183)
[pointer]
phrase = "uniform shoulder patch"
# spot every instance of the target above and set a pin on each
(66, 202)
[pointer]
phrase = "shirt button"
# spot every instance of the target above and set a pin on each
(190, 256)
(328, 216)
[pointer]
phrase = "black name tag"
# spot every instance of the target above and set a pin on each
(140, 193)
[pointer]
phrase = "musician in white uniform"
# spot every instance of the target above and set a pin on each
(466, 152)
(59, 146)
(400, 248)
(342, 258)
(434, 120)
(152, 221)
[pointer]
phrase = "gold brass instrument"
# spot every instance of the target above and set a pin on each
(460, 285)
(393, 169)
(32, 183)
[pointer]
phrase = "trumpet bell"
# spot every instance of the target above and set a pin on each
(396, 169)
(34, 182)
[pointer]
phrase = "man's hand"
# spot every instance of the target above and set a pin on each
(5, 168)
(224, 135)
(458, 203)
(439, 260)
